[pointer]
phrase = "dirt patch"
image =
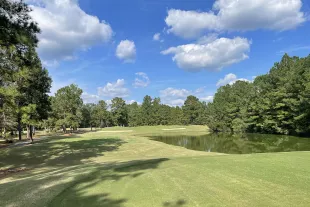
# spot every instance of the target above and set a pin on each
(6, 172)
(3, 145)
(67, 135)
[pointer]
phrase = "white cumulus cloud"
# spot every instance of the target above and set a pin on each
(231, 79)
(142, 80)
(208, 38)
(132, 101)
(157, 37)
(214, 55)
(207, 99)
(66, 29)
(190, 24)
(177, 97)
(237, 15)
(126, 51)
(116, 89)
(90, 98)
(174, 97)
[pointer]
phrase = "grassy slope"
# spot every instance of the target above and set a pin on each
(126, 169)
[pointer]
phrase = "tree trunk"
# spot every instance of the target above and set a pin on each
(91, 128)
(4, 123)
(19, 129)
(4, 133)
(64, 129)
(33, 130)
(30, 132)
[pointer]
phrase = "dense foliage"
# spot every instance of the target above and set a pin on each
(150, 113)
(278, 102)
(24, 83)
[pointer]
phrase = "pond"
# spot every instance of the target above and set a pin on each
(238, 144)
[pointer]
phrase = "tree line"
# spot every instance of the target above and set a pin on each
(68, 111)
(277, 102)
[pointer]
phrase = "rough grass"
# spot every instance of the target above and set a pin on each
(127, 169)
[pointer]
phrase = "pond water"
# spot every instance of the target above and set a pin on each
(238, 144)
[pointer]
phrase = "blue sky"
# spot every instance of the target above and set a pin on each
(109, 48)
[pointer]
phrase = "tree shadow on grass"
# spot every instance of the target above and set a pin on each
(78, 194)
(101, 200)
(177, 203)
(59, 151)
(87, 187)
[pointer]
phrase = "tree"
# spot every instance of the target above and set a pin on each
(134, 114)
(7, 118)
(191, 109)
(87, 111)
(22, 77)
(119, 112)
(33, 85)
(67, 106)
(101, 113)
(155, 112)
(17, 26)
(277, 102)
(146, 109)
(29, 114)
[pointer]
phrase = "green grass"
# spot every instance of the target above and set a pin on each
(128, 169)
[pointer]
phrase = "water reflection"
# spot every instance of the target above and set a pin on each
(238, 144)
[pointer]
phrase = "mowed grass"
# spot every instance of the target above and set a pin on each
(120, 167)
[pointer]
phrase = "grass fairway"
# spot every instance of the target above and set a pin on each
(120, 169)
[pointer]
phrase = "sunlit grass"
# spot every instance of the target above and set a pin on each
(128, 169)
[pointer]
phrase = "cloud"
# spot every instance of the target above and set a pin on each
(208, 38)
(132, 101)
(142, 80)
(66, 29)
(90, 98)
(231, 79)
(200, 90)
(172, 92)
(207, 99)
(214, 55)
(177, 97)
(157, 37)
(116, 89)
(237, 15)
(109, 102)
(174, 97)
(126, 51)
(190, 24)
